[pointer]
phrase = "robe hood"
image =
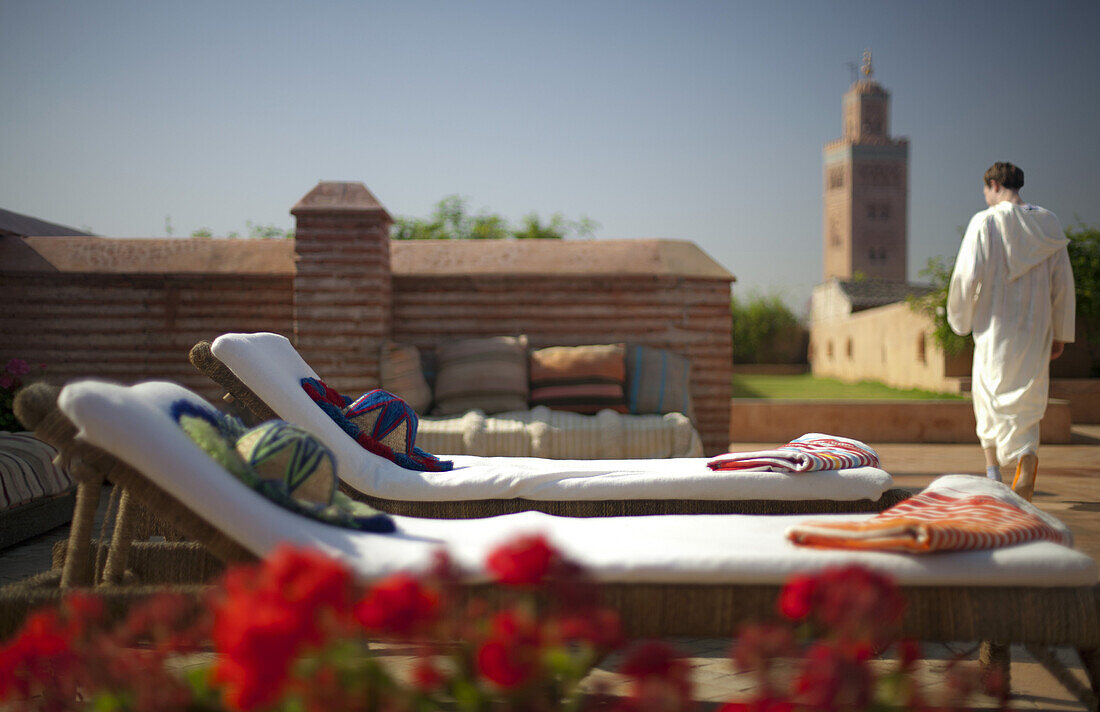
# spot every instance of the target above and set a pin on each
(1030, 233)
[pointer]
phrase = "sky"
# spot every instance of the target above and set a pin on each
(686, 119)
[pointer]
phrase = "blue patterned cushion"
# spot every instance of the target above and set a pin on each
(377, 412)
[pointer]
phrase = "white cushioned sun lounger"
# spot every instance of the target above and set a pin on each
(272, 369)
(134, 424)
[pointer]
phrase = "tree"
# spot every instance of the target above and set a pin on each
(256, 231)
(451, 220)
(1084, 258)
(765, 330)
(934, 306)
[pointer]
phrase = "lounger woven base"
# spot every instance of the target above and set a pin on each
(203, 359)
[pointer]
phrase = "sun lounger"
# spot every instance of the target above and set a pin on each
(670, 575)
(264, 372)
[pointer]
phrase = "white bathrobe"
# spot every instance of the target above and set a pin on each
(1013, 287)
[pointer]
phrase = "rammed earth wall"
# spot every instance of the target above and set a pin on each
(130, 310)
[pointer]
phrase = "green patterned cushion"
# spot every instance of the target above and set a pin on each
(285, 453)
(283, 463)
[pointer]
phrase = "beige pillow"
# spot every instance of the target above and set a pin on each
(402, 376)
(488, 374)
(581, 379)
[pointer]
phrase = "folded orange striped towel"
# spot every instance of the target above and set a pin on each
(809, 453)
(955, 513)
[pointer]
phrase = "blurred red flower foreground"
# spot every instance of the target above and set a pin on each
(292, 634)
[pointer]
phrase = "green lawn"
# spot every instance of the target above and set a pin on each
(806, 387)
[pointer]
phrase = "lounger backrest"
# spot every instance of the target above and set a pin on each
(270, 365)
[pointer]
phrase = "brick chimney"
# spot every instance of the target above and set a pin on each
(342, 286)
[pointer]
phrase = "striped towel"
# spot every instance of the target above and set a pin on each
(811, 452)
(940, 519)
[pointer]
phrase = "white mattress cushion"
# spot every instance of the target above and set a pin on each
(270, 366)
(134, 424)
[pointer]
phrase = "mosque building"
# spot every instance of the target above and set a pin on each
(864, 208)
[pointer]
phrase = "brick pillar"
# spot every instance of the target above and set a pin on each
(342, 285)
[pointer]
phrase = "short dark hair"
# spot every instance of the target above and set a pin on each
(1006, 174)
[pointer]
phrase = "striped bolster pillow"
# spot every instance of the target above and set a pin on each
(581, 379)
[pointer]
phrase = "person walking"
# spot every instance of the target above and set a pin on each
(1012, 286)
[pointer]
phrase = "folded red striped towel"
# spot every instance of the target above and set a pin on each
(955, 513)
(811, 452)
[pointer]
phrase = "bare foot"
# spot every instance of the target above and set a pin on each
(1026, 471)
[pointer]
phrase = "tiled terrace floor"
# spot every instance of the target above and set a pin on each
(1068, 486)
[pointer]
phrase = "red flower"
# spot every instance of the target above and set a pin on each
(600, 627)
(796, 598)
(169, 620)
(257, 639)
(268, 614)
(39, 661)
(510, 656)
(308, 579)
(399, 604)
(835, 677)
(908, 654)
(660, 675)
(766, 704)
(427, 677)
(524, 562)
(856, 601)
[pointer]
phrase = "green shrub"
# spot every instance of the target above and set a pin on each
(451, 220)
(765, 330)
(1084, 258)
(934, 305)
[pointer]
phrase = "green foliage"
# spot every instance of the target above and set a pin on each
(266, 232)
(451, 220)
(255, 231)
(764, 330)
(934, 306)
(557, 227)
(1084, 257)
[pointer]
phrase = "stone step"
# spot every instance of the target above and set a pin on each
(902, 421)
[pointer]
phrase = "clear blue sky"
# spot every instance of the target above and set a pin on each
(696, 120)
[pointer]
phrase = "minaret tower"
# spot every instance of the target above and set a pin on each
(866, 188)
